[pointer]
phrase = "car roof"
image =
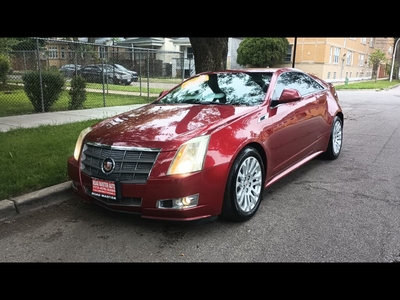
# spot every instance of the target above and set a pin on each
(255, 70)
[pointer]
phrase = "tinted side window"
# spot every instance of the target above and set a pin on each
(295, 80)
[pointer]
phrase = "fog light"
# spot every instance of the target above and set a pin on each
(179, 203)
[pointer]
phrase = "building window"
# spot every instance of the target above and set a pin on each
(53, 52)
(189, 53)
(330, 55)
(288, 56)
(101, 52)
(62, 52)
(361, 60)
(371, 42)
(334, 75)
(336, 55)
(349, 58)
(363, 41)
(329, 75)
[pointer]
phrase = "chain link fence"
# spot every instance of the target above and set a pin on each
(42, 70)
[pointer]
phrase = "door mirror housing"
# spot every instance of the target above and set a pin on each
(289, 95)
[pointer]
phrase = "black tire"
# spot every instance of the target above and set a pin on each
(335, 140)
(245, 187)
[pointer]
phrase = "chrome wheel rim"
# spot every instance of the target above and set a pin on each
(337, 137)
(248, 184)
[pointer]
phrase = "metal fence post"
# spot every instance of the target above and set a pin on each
(148, 75)
(40, 73)
(183, 67)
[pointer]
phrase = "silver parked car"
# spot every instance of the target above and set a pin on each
(103, 73)
(69, 69)
(134, 74)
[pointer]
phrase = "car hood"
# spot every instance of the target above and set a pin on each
(163, 126)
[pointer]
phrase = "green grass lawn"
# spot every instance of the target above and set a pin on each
(35, 158)
(15, 102)
(372, 84)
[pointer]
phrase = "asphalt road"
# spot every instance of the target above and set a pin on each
(345, 210)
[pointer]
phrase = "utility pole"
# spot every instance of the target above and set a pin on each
(294, 51)
(394, 55)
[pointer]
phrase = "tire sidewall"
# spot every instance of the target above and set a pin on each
(333, 153)
(230, 201)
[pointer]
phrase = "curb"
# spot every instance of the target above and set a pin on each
(10, 208)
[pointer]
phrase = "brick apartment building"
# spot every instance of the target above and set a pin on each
(335, 59)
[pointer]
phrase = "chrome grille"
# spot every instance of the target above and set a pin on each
(132, 165)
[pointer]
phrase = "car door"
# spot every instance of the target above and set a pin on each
(295, 126)
(91, 73)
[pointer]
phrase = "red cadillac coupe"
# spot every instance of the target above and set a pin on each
(210, 146)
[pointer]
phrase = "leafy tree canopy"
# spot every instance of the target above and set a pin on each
(9, 44)
(262, 52)
(6, 44)
(377, 57)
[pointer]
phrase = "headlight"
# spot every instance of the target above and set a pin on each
(190, 156)
(79, 141)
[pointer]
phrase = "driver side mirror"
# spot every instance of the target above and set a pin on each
(289, 95)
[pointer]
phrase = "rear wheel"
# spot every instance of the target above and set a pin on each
(335, 139)
(245, 186)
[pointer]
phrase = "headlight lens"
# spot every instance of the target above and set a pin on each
(190, 156)
(79, 141)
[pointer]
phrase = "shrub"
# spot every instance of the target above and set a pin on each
(51, 83)
(77, 93)
(4, 68)
(262, 52)
(53, 69)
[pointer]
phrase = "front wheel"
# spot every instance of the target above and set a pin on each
(335, 139)
(245, 186)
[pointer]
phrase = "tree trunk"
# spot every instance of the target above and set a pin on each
(210, 54)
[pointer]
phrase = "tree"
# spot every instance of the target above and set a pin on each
(394, 70)
(376, 58)
(210, 54)
(28, 43)
(6, 44)
(4, 68)
(262, 52)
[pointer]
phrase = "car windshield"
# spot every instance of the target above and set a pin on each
(237, 88)
(109, 68)
(120, 67)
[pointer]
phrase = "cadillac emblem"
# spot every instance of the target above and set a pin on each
(107, 166)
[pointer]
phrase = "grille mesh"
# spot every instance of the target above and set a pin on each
(132, 165)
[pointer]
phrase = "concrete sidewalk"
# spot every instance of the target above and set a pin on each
(61, 117)
(13, 207)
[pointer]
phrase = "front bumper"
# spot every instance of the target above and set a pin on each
(143, 198)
